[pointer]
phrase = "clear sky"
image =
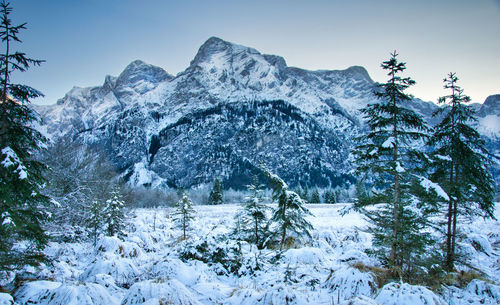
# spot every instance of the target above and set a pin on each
(84, 40)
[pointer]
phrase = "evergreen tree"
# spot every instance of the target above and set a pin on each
(95, 220)
(21, 177)
(114, 216)
(216, 193)
(290, 214)
(315, 196)
(253, 220)
(329, 196)
(183, 214)
(361, 196)
(386, 154)
(338, 196)
(461, 161)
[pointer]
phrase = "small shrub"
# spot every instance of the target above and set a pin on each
(214, 251)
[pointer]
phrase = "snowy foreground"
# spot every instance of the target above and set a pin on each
(146, 268)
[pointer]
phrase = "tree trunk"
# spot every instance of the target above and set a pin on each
(283, 236)
(454, 233)
(451, 225)
(184, 226)
(449, 262)
(4, 124)
(395, 206)
(395, 214)
(256, 231)
(6, 66)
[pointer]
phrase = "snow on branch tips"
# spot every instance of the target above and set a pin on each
(12, 160)
(428, 185)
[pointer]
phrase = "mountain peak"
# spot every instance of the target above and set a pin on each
(490, 106)
(359, 72)
(137, 66)
(492, 100)
(139, 70)
(215, 45)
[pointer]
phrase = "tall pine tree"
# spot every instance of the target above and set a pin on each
(386, 154)
(461, 161)
(21, 176)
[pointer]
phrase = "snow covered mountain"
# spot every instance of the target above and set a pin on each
(230, 109)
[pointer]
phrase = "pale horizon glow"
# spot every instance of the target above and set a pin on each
(83, 41)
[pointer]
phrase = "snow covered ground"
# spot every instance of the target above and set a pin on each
(151, 266)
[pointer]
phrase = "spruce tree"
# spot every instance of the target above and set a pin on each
(386, 154)
(253, 222)
(114, 217)
(461, 163)
(95, 220)
(315, 198)
(290, 216)
(183, 214)
(329, 196)
(22, 203)
(216, 193)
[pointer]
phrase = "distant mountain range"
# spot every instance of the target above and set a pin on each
(232, 108)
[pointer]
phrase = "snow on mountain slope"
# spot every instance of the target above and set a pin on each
(139, 118)
(489, 117)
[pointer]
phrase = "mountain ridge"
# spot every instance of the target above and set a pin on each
(129, 114)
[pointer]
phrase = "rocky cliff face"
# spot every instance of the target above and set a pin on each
(232, 108)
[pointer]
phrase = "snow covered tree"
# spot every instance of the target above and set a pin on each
(114, 216)
(329, 196)
(95, 220)
(461, 163)
(315, 198)
(77, 176)
(183, 214)
(253, 222)
(22, 203)
(216, 193)
(387, 155)
(290, 215)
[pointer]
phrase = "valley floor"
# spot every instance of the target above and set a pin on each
(151, 265)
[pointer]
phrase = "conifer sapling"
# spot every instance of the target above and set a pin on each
(114, 215)
(253, 220)
(183, 214)
(290, 215)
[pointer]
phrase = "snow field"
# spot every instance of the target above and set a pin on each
(147, 267)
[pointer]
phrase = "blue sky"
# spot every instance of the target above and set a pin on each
(84, 40)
